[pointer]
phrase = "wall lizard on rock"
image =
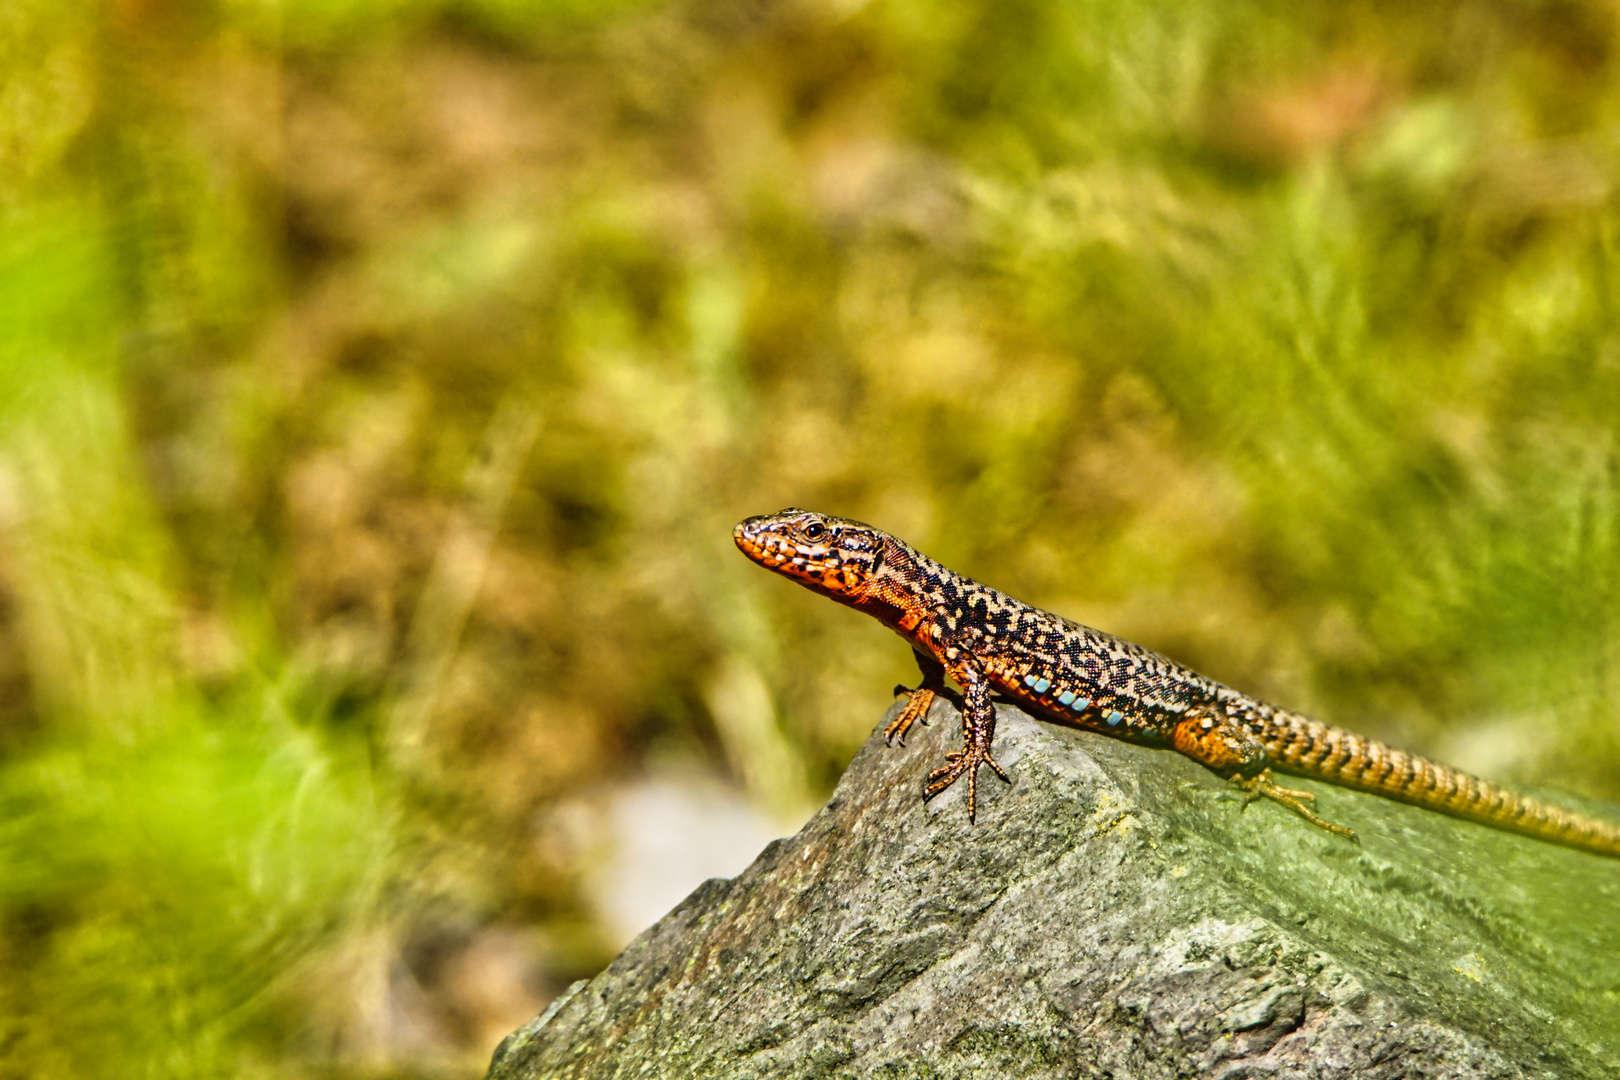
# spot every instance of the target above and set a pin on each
(1080, 677)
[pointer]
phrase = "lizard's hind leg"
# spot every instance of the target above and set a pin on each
(1261, 785)
(1228, 748)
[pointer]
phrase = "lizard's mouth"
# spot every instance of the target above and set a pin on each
(771, 549)
(760, 545)
(819, 568)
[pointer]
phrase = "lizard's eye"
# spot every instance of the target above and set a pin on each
(815, 531)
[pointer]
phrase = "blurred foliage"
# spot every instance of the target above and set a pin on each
(380, 379)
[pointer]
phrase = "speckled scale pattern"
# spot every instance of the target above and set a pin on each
(1078, 676)
(1037, 658)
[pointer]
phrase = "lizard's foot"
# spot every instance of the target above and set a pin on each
(1261, 785)
(965, 761)
(916, 709)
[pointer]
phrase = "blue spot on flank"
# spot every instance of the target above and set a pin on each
(1081, 704)
(1042, 686)
(1029, 680)
(1114, 718)
(1065, 697)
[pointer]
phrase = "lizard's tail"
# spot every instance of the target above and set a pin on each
(1309, 748)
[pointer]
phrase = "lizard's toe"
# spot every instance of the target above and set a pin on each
(960, 763)
(916, 710)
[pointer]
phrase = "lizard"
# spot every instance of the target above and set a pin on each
(1064, 672)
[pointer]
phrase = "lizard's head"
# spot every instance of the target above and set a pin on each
(834, 556)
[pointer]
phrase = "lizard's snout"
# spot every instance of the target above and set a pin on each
(749, 536)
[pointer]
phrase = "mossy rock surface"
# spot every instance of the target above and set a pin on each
(1113, 913)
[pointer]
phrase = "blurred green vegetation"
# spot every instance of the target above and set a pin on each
(380, 379)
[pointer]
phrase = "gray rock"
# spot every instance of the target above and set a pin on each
(1112, 914)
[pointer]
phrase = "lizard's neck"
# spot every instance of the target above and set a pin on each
(906, 590)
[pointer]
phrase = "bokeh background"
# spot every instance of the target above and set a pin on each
(380, 381)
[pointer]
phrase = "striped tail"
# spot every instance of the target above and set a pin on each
(1305, 747)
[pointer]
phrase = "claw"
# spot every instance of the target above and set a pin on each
(1262, 786)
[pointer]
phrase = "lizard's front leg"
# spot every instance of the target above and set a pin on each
(978, 729)
(1225, 746)
(933, 683)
